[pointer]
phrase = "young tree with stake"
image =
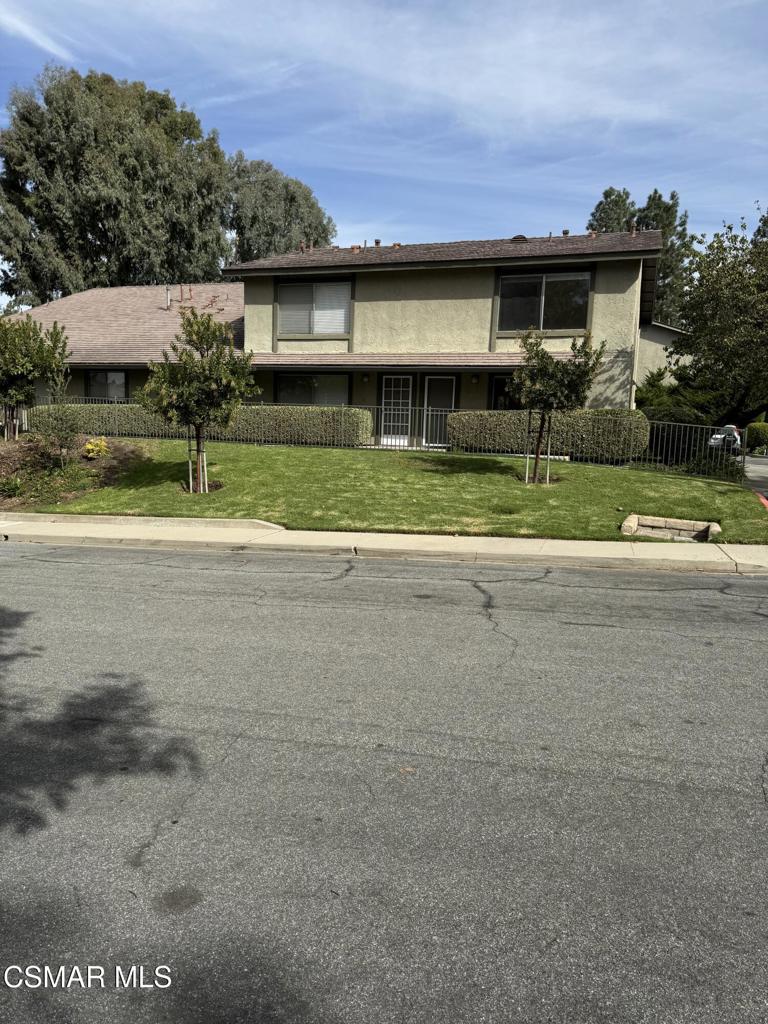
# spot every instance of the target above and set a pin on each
(550, 385)
(200, 384)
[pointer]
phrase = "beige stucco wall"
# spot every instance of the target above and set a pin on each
(452, 310)
(614, 320)
(423, 311)
(650, 349)
(313, 347)
(259, 296)
(616, 304)
(613, 386)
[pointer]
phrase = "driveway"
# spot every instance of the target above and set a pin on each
(756, 471)
(381, 792)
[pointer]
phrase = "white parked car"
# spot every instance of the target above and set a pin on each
(727, 438)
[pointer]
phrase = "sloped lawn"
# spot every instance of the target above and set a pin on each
(416, 492)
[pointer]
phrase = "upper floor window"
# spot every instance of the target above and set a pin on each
(321, 308)
(548, 302)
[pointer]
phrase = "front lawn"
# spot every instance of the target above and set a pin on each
(416, 492)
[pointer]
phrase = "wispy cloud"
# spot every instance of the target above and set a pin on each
(429, 110)
(14, 25)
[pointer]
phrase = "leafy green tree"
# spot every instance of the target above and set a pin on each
(106, 182)
(725, 310)
(201, 383)
(677, 249)
(678, 394)
(270, 213)
(28, 354)
(552, 385)
(617, 211)
(761, 231)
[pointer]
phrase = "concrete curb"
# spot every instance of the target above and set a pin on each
(256, 535)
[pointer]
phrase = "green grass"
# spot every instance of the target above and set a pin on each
(417, 492)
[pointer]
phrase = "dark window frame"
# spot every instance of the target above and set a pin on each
(281, 282)
(540, 270)
(308, 373)
(106, 370)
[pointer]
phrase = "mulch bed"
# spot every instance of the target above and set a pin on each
(24, 457)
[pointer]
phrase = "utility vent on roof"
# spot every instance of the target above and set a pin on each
(519, 238)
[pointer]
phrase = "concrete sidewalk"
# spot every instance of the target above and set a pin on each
(255, 535)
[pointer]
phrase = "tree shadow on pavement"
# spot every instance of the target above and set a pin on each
(104, 729)
(247, 984)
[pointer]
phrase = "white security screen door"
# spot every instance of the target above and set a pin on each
(396, 411)
(439, 396)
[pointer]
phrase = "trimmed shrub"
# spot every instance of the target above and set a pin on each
(757, 436)
(333, 426)
(596, 435)
(329, 425)
(715, 465)
(106, 420)
(673, 413)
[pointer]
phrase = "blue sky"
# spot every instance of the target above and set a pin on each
(436, 120)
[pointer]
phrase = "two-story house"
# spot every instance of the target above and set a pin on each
(439, 325)
(402, 327)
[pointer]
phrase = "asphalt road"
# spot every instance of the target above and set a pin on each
(756, 470)
(324, 791)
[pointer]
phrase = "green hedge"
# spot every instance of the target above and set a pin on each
(757, 436)
(602, 435)
(335, 426)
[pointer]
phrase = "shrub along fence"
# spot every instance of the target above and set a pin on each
(601, 436)
(594, 435)
(605, 437)
(757, 438)
(323, 426)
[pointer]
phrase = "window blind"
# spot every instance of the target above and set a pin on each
(314, 308)
(331, 308)
(295, 308)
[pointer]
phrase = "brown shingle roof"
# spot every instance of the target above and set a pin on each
(498, 250)
(131, 325)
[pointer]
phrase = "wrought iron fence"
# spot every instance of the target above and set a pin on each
(597, 436)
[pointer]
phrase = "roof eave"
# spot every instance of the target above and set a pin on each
(519, 261)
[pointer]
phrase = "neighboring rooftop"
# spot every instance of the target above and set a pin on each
(490, 251)
(131, 325)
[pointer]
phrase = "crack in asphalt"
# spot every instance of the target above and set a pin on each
(344, 572)
(138, 858)
(488, 610)
(764, 779)
(668, 632)
(724, 588)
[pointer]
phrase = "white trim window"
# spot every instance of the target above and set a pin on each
(321, 308)
(546, 302)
